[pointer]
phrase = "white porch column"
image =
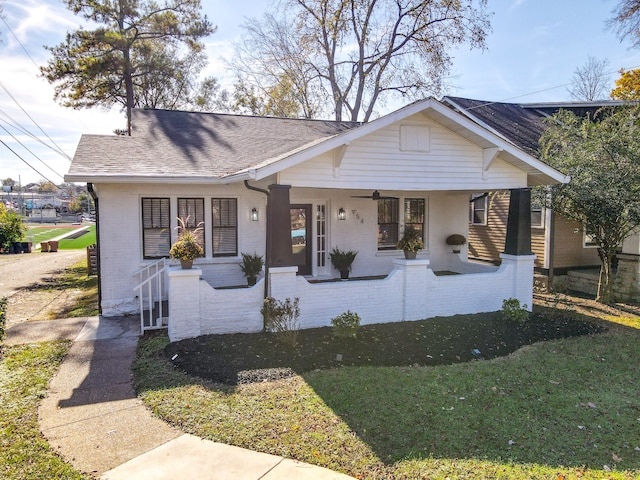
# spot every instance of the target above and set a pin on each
(282, 282)
(414, 293)
(184, 303)
(521, 268)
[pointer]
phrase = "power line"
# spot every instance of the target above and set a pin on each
(30, 166)
(13, 123)
(27, 149)
(35, 123)
(19, 42)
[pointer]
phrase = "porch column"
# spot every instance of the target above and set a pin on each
(518, 241)
(279, 227)
(184, 303)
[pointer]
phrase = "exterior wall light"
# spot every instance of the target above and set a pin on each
(254, 214)
(342, 214)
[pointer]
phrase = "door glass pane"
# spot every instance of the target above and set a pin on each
(299, 235)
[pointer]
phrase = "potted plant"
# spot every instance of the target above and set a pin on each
(186, 248)
(456, 241)
(410, 243)
(342, 261)
(251, 266)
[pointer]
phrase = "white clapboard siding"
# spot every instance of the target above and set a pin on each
(377, 161)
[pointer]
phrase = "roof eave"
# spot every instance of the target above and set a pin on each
(166, 179)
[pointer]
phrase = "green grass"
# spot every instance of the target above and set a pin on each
(24, 374)
(560, 409)
(44, 233)
(83, 241)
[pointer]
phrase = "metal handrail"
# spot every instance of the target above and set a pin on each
(152, 276)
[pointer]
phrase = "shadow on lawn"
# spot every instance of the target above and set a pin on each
(569, 404)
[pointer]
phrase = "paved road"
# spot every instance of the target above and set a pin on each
(25, 269)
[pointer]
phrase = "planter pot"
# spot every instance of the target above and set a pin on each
(251, 281)
(44, 246)
(53, 246)
(186, 264)
(410, 255)
(344, 274)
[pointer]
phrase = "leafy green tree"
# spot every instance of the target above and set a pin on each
(11, 227)
(109, 64)
(602, 156)
(344, 57)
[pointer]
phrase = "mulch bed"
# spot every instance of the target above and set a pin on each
(247, 358)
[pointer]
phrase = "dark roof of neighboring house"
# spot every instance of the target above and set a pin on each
(521, 123)
(178, 143)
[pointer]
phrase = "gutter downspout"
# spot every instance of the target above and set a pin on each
(268, 236)
(97, 213)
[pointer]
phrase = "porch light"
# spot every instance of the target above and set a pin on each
(254, 214)
(342, 214)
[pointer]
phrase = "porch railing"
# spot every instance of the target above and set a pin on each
(151, 293)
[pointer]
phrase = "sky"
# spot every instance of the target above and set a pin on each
(531, 56)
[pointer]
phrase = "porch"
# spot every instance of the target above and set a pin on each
(411, 291)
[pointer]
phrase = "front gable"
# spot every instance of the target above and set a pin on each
(413, 153)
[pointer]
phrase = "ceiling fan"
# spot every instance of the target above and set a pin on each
(374, 196)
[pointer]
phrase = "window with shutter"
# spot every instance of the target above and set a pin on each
(191, 211)
(224, 225)
(156, 228)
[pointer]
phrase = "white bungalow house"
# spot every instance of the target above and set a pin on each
(292, 190)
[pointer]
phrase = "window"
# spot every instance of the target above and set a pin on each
(387, 223)
(589, 238)
(537, 215)
(156, 228)
(414, 214)
(224, 216)
(478, 209)
(191, 211)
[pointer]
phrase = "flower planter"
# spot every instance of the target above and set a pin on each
(186, 264)
(410, 255)
(344, 274)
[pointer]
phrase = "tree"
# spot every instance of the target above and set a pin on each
(602, 156)
(626, 21)
(47, 186)
(345, 57)
(11, 227)
(117, 60)
(591, 81)
(627, 86)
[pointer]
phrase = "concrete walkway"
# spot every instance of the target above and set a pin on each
(93, 418)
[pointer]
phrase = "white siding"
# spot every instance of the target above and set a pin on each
(376, 161)
(121, 237)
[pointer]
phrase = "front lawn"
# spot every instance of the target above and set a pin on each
(24, 373)
(565, 408)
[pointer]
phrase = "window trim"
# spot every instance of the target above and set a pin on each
(214, 227)
(144, 229)
(472, 210)
(394, 215)
(195, 223)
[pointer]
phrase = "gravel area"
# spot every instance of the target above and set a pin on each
(22, 274)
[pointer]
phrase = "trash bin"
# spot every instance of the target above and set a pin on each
(26, 247)
(44, 246)
(53, 245)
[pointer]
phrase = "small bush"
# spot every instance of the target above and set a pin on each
(346, 324)
(281, 318)
(512, 310)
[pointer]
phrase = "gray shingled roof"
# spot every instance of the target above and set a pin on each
(522, 124)
(187, 144)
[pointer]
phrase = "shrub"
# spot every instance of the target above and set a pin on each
(346, 324)
(281, 318)
(11, 228)
(512, 310)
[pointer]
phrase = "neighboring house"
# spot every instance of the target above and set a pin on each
(293, 190)
(560, 245)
